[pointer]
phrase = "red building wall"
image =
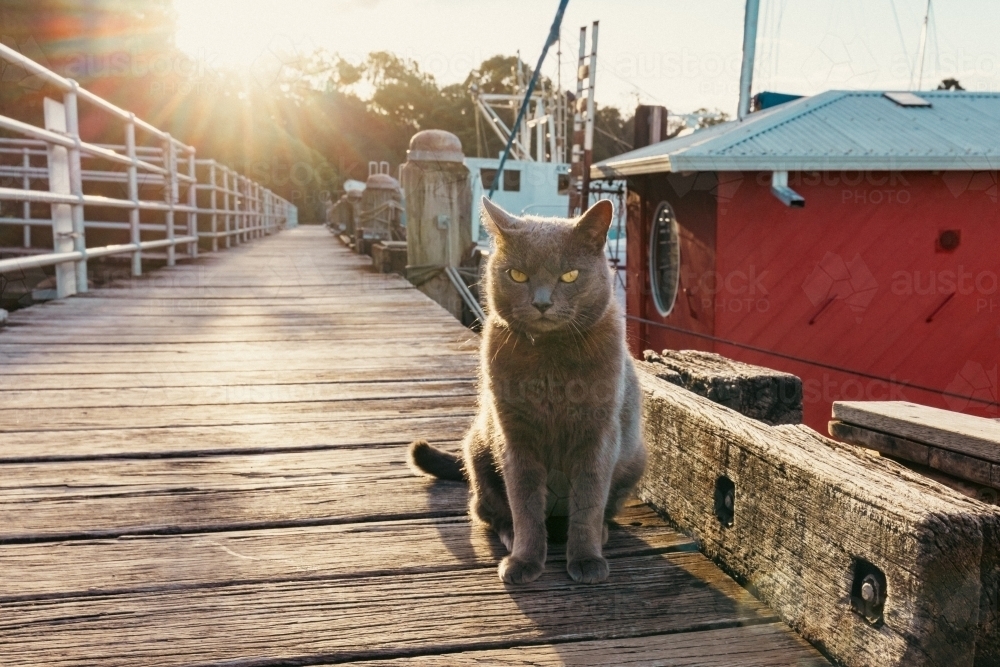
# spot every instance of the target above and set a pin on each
(854, 293)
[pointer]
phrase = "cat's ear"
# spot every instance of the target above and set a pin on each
(592, 227)
(497, 221)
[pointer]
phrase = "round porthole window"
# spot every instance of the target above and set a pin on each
(664, 259)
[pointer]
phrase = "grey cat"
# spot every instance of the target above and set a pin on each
(558, 426)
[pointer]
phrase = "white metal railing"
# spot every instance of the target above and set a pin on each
(216, 203)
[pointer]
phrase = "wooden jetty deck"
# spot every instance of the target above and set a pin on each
(207, 467)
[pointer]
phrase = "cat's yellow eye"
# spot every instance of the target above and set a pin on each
(569, 276)
(518, 276)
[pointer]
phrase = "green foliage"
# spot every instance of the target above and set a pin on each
(300, 124)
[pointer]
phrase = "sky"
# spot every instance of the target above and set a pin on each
(683, 54)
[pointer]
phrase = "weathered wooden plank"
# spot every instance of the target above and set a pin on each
(171, 562)
(260, 324)
(760, 393)
(908, 453)
(320, 336)
(805, 509)
(64, 500)
(421, 370)
(247, 394)
(389, 345)
(427, 404)
(333, 303)
(180, 441)
(380, 617)
(764, 645)
(962, 466)
(427, 361)
(954, 431)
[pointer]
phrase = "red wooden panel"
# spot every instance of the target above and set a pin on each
(839, 292)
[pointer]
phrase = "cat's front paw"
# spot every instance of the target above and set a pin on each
(514, 571)
(588, 570)
(506, 536)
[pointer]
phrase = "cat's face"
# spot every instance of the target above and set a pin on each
(549, 274)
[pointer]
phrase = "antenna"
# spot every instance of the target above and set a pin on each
(583, 122)
(749, 48)
(923, 48)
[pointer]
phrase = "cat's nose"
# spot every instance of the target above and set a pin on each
(542, 298)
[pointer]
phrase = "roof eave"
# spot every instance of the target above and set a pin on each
(687, 163)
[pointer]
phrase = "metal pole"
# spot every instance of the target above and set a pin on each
(241, 207)
(62, 215)
(749, 49)
(576, 151)
(588, 137)
(76, 185)
(133, 194)
(212, 203)
(238, 205)
(26, 207)
(192, 220)
(256, 210)
(168, 196)
(225, 198)
(553, 36)
(923, 45)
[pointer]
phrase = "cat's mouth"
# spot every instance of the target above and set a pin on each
(544, 323)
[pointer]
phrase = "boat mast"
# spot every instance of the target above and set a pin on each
(749, 48)
(923, 46)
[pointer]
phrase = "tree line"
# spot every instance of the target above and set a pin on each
(299, 123)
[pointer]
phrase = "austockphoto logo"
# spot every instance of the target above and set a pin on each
(856, 187)
(132, 64)
(676, 64)
(277, 173)
(11, 73)
(834, 279)
(829, 388)
(279, 61)
(837, 62)
(984, 283)
(961, 182)
(734, 292)
(975, 385)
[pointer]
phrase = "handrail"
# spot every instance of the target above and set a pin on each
(238, 208)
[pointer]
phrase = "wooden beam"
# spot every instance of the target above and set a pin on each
(803, 520)
(968, 468)
(760, 393)
(965, 434)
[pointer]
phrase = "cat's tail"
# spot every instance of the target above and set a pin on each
(427, 459)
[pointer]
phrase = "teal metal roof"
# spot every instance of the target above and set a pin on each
(835, 130)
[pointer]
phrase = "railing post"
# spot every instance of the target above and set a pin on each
(212, 202)
(192, 225)
(133, 194)
(244, 209)
(268, 204)
(244, 205)
(258, 211)
(225, 197)
(76, 186)
(169, 192)
(26, 207)
(62, 215)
